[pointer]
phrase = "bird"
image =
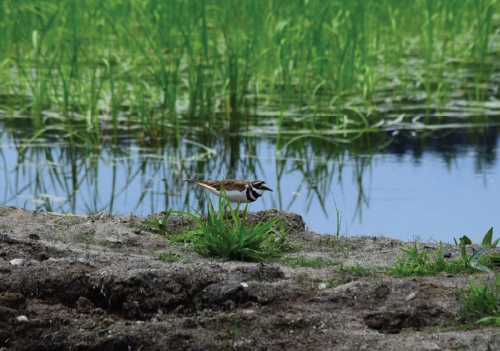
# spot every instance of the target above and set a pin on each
(237, 190)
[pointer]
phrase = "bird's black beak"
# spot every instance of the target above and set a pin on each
(266, 188)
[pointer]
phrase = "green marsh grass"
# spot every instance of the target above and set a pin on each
(157, 66)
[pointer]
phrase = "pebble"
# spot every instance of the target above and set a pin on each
(411, 296)
(32, 262)
(245, 285)
(240, 344)
(22, 318)
(17, 261)
(447, 254)
(322, 286)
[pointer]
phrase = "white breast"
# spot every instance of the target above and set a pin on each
(237, 196)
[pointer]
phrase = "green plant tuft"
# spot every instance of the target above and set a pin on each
(159, 225)
(166, 256)
(419, 263)
(233, 239)
(482, 300)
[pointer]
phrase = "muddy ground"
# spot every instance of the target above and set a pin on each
(92, 283)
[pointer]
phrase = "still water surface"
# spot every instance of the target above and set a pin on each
(433, 191)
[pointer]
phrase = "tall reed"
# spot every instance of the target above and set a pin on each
(151, 61)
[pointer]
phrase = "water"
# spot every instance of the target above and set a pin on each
(440, 188)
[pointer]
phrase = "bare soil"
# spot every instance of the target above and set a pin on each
(94, 284)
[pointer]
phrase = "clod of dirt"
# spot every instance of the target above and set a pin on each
(12, 300)
(290, 219)
(260, 272)
(84, 305)
(394, 322)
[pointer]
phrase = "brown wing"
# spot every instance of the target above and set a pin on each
(229, 184)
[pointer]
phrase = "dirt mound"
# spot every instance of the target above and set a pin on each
(94, 284)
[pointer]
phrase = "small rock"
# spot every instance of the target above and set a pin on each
(98, 311)
(216, 294)
(244, 285)
(322, 286)
(240, 344)
(22, 318)
(447, 254)
(52, 259)
(84, 305)
(411, 296)
(106, 322)
(248, 311)
(229, 305)
(17, 261)
(428, 345)
(32, 262)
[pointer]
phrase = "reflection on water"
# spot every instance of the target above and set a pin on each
(435, 186)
